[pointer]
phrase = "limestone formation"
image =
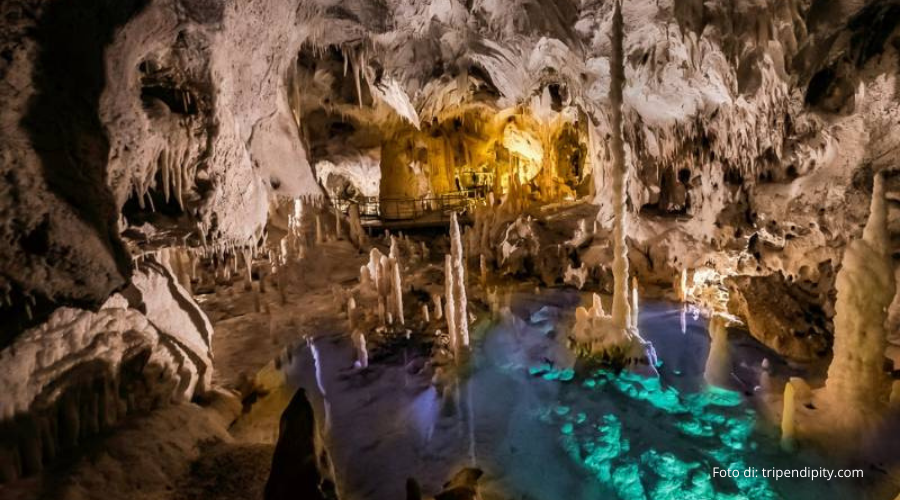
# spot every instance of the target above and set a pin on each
(457, 277)
(856, 384)
(382, 274)
(718, 362)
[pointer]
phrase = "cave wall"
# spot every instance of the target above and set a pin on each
(106, 101)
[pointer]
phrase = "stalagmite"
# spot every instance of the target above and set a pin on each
(856, 385)
(262, 279)
(615, 338)
(576, 276)
(894, 399)
(634, 302)
(718, 362)
(248, 268)
(438, 308)
(362, 353)
(620, 312)
(320, 236)
(351, 313)
(787, 418)
(765, 375)
(338, 232)
(394, 251)
(482, 264)
(457, 273)
(450, 308)
(357, 235)
(397, 292)
(373, 266)
(425, 314)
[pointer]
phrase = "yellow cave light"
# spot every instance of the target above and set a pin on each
(523, 144)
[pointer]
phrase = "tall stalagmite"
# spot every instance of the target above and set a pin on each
(614, 338)
(459, 283)
(718, 362)
(450, 312)
(865, 287)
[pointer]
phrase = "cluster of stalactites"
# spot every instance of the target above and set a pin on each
(177, 170)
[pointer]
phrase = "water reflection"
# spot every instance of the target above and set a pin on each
(541, 431)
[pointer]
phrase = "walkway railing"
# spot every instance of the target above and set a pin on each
(438, 207)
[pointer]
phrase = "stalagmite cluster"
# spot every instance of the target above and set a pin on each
(382, 275)
(598, 336)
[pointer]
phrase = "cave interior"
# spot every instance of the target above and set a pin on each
(384, 249)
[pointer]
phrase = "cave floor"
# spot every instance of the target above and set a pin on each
(248, 337)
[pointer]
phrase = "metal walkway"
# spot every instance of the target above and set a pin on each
(406, 213)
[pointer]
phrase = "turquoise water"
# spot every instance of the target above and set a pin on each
(541, 431)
